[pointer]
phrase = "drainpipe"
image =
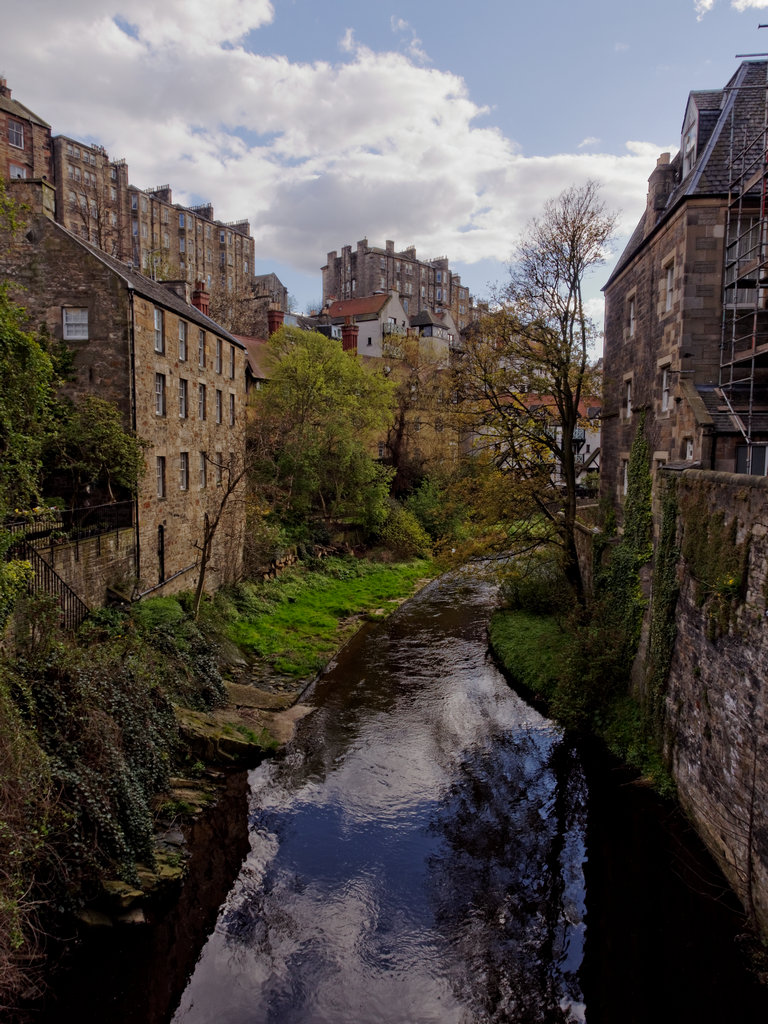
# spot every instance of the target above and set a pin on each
(132, 385)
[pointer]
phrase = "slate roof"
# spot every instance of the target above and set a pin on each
(155, 291)
(257, 355)
(743, 102)
(723, 420)
(16, 109)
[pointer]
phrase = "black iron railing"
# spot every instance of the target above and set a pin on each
(71, 524)
(44, 578)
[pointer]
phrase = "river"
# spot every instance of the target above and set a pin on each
(431, 849)
(428, 848)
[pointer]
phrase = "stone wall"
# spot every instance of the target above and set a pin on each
(90, 566)
(716, 715)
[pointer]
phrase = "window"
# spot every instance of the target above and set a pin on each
(231, 409)
(370, 341)
(218, 406)
(134, 202)
(16, 134)
(219, 468)
(18, 172)
(183, 395)
(231, 362)
(144, 232)
(181, 220)
(751, 459)
(182, 341)
(632, 317)
(203, 471)
(217, 364)
(159, 334)
(201, 349)
(113, 173)
(628, 399)
(159, 394)
(624, 476)
(669, 273)
(183, 471)
(75, 324)
(201, 401)
(664, 388)
(182, 244)
(160, 472)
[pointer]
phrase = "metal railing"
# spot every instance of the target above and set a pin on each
(71, 524)
(46, 579)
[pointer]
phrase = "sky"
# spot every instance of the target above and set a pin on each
(435, 123)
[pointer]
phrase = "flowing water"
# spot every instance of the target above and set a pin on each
(431, 849)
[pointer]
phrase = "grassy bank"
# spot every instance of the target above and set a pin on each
(554, 661)
(294, 624)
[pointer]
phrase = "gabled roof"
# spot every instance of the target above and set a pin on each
(368, 304)
(256, 354)
(740, 104)
(155, 291)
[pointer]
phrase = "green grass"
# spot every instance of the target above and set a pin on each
(296, 622)
(531, 648)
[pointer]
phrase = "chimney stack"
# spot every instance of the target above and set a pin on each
(349, 332)
(4, 90)
(660, 185)
(275, 318)
(201, 299)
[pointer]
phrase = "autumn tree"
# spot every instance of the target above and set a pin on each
(313, 427)
(525, 374)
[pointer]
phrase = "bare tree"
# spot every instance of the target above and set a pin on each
(525, 373)
(229, 476)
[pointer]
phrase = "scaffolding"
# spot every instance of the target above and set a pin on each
(744, 341)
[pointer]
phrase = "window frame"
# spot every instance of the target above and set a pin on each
(182, 341)
(72, 330)
(183, 398)
(160, 477)
(15, 131)
(160, 395)
(159, 322)
(183, 471)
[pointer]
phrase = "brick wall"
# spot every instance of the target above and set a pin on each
(92, 565)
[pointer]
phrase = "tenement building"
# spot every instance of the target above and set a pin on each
(178, 378)
(420, 284)
(686, 329)
(25, 140)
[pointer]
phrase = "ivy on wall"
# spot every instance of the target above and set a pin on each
(715, 559)
(663, 626)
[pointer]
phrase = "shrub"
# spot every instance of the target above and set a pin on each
(404, 535)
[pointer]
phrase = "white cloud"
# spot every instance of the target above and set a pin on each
(742, 5)
(703, 7)
(591, 140)
(620, 47)
(316, 155)
(414, 45)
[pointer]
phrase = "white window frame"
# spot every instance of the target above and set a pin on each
(231, 362)
(159, 331)
(15, 134)
(201, 349)
(74, 323)
(218, 405)
(182, 341)
(632, 315)
(217, 364)
(231, 409)
(160, 475)
(160, 394)
(17, 172)
(669, 285)
(203, 470)
(183, 471)
(183, 398)
(665, 388)
(201, 401)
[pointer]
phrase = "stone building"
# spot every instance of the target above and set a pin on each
(420, 284)
(178, 378)
(686, 337)
(25, 140)
(145, 227)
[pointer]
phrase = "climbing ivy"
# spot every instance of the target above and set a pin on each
(716, 560)
(663, 628)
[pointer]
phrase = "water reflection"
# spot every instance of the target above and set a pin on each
(417, 855)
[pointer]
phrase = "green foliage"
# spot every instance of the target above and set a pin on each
(14, 576)
(663, 629)
(534, 583)
(441, 516)
(404, 535)
(28, 381)
(314, 424)
(531, 648)
(717, 561)
(93, 447)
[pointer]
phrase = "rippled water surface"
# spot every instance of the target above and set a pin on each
(420, 854)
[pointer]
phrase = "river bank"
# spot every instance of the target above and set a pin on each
(170, 712)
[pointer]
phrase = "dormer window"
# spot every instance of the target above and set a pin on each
(690, 136)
